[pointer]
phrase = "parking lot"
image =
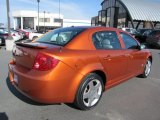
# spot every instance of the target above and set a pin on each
(136, 99)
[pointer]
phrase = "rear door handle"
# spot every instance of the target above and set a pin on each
(107, 57)
(127, 55)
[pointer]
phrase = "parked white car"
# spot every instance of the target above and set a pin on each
(19, 33)
(33, 36)
(14, 34)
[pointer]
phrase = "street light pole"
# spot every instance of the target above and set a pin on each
(8, 18)
(38, 13)
(9, 41)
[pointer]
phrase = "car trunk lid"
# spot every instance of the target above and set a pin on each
(24, 54)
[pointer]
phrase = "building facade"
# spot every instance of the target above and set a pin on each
(71, 22)
(29, 19)
(47, 21)
(128, 13)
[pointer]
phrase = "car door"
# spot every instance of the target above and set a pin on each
(111, 54)
(134, 54)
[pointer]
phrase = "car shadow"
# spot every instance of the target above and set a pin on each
(3, 116)
(71, 105)
(23, 98)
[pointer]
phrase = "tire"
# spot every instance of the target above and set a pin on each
(89, 92)
(35, 37)
(147, 69)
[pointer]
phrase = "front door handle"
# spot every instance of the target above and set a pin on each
(129, 55)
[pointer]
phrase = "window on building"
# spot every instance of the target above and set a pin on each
(117, 4)
(47, 19)
(57, 20)
(106, 40)
(100, 16)
(104, 14)
(112, 2)
(41, 20)
(44, 20)
(28, 22)
(121, 22)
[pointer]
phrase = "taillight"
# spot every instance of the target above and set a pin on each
(14, 35)
(27, 34)
(44, 62)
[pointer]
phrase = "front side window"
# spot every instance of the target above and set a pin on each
(106, 40)
(129, 42)
(60, 36)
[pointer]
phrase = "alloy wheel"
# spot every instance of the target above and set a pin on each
(148, 68)
(92, 93)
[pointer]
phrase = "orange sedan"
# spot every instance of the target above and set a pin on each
(76, 64)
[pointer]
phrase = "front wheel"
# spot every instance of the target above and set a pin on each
(147, 69)
(89, 92)
(35, 37)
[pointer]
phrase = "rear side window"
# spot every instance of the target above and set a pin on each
(129, 42)
(106, 40)
(60, 36)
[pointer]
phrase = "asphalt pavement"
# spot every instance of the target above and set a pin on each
(136, 99)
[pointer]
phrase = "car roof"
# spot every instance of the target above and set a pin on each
(93, 27)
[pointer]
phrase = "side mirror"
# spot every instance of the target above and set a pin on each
(142, 47)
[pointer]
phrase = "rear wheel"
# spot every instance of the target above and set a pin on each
(89, 92)
(147, 69)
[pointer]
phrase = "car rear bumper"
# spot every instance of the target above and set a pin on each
(40, 87)
(37, 90)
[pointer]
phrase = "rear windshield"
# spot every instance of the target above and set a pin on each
(60, 36)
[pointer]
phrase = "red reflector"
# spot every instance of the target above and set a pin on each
(5, 34)
(44, 62)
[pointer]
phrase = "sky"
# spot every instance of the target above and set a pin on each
(71, 9)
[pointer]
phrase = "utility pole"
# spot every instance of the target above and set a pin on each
(60, 13)
(44, 21)
(59, 8)
(9, 41)
(8, 18)
(38, 13)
